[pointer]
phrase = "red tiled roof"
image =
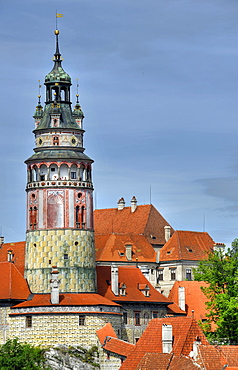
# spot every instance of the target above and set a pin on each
(118, 346)
(111, 247)
(211, 357)
(231, 355)
(18, 252)
(146, 220)
(68, 299)
(182, 363)
(13, 285)
(106, 331)
(187, 245)
(131, 276)
(152, 361)
(185, 331)
(194, 298)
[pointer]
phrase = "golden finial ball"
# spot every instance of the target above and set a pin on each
(56, 32)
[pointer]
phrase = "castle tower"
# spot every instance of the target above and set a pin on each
(59, 193)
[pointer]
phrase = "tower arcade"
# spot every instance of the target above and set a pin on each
(59, 192)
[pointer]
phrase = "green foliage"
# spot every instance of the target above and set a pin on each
(21, 356)
(220, 271)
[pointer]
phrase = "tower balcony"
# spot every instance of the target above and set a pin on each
(59, 183)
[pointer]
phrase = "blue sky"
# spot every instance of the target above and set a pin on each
(158, 86)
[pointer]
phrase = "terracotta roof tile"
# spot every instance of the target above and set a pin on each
(182, 363)
(211, 358)
(152, 361)
(18, 254)
(187, 245)
(68, 299)
(118, 346)
(231, 354)
(112, 248)
(106, 331)
(185, 332)
(145, 220)
(13, 285)
(131, 277)
(194, 297)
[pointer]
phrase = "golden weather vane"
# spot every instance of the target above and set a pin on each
(58, 15)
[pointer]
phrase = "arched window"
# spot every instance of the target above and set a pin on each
(53, 173)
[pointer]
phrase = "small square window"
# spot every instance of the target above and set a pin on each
(28, 321)
(81, 320)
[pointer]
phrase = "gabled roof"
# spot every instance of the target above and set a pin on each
(146, 220)
(215, 357)
(185, 331)
(68, 299)
(106, 331)
(118, 346)
(194, 298)
(152, 361)
(18, 254)
(13, 286)
(131, 277)
(187, 245)
(112, 248)
(111, 343)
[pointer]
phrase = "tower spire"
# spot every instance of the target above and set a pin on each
(57, 52)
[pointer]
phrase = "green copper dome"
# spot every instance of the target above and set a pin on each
(57, 75)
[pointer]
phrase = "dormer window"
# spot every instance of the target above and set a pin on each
(122, 289)
(9, 256)
(189, 249)
(145, 289)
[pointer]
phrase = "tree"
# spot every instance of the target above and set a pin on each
(21, 356)
(220, 271)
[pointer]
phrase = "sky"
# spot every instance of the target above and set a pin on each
(158, 83)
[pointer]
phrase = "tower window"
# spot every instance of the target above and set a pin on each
(55, 140)
(73, 175)
(28, 321)
(66, 257)
(81, 320)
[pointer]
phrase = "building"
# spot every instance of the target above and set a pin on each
(52, 293)
(139, 236)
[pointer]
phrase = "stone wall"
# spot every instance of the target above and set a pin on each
(71, 250)
(49, 330)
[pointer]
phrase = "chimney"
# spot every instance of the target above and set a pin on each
(129, 252)
(167, 338)
(133, 204)
(167, 232)
(219, 247)
(181, 297)
(1, 241)
(121, 204)
(54, 284)
(114, 279)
